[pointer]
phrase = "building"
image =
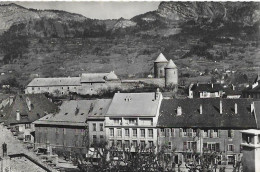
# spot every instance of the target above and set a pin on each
(188, 125)
(66, 129)
(251, 150)
(131, 120)
(251, 144)
(159, 65)
(167, 70)
(96, 121)
(87, 83)
(253, 91)
(22, 111)
(205, 90)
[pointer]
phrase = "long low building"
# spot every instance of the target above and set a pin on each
(87, 83)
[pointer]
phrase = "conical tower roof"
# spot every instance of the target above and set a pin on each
(161, 58)
(170, 65)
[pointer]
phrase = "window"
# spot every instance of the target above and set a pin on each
(191, 145)
(150, 131)
(205, 133)
(142, 132)
(231, 159)
(94, 139)
(212, 146)
(127, 132)
(142, 144)
(213, 133)
(150, 143)
(117, 121)
(169, 145)
(134, 143)
(127, 143)
(82, 131)
(132, 121)
(101, 138)
(119, 143)
(231, 148)
(27, 126)
(162, 132)
(111, 143)
(101, 127)
(76, 132)
(27, 137)
(119, 132)
(111, 132)
(64, 130)
(230, 133)
(172, 132)
(134, 132)
(57, 130)
(189, 132)
(94, 125)
(184, 132)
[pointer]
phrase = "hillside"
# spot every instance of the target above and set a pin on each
(199, 36)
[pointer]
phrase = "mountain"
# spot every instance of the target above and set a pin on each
(12, 14)
(198, 36)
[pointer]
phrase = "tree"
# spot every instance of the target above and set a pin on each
(116, 158)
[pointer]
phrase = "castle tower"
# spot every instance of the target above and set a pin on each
(171, 74)
(159, 65)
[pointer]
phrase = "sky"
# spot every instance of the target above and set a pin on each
(97, 10)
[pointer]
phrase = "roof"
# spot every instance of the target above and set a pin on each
(161, 58)
(253, 88)
(207, 87)
(44, 82)
(72, 113)
(170, 65)
(100, 109)
(210, 117)
(98, 77)
(39, 103)
(133, 104)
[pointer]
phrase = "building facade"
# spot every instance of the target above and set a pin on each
(196, 125)
(131, 120)
(66, 129)
(22, 111)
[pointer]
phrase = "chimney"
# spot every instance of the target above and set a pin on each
(157, 94)
(179, 111)
(18, 116)
(29, 103)
(118, 91)
(252, 107)
(220, 107)
(11, 100)
(4, 147)
(235, 108)
(200, 108)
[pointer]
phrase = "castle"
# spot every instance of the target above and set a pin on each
(165, 75)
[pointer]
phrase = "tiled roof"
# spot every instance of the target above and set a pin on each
(100, 109)
(210, 117)
(207, 87)
(170, 65)
(45, 82)
(98, 77)
(161, 58)
(73, 112)
(133, 104)
(40, 106)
